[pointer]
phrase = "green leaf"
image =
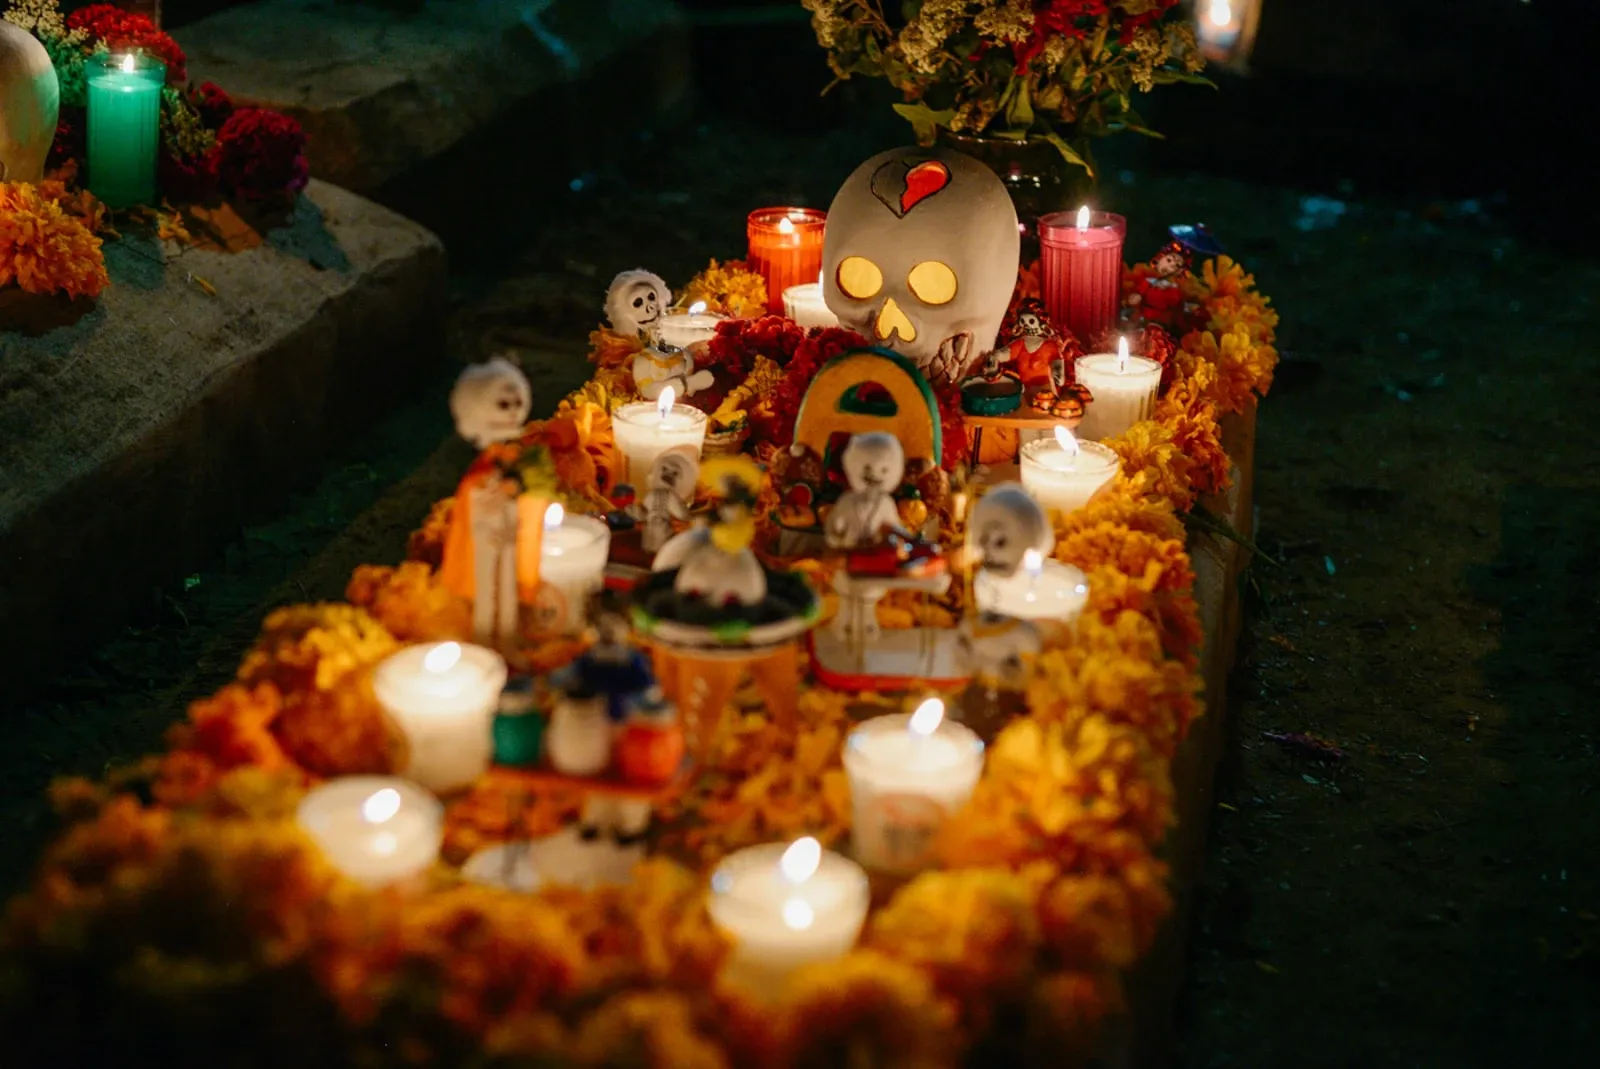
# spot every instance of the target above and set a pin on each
(924, 120)
(1170, 77)
(1068, 152)
(1019, 109)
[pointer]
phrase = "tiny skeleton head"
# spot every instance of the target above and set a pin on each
(1171, 259)
(1031, 322)
(674, 471)
(874, 461)
(1006, 523)
(635, 301)
(491, 402)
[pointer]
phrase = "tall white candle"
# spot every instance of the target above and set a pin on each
(784, 908)
(1124, 389)
(907, 775)
(805, 305)
(1042, 589)
(572, 564)
(375, 829)
(649, 428)
(685, 329)
(443, 697)
(1065, 473)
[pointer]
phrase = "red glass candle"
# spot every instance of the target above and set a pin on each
(1082, 270)
(786, 248)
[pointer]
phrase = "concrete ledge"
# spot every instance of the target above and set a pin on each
(380, 91)
(134, 442)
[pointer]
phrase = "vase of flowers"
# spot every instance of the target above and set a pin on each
(1026, 86)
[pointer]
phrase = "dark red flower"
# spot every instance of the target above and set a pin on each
(185, 180)
(214, 105)
(121, 29)
(69, 143)
(259, 154)
(815, 348)
(739, 341)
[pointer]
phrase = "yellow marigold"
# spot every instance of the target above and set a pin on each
(1229, 297)
(1157, 594)
(1188, 410)
(410, 603)
(500, 807)
(729, 289)
(609, 349)
(1244, 368)
(313, 647)
(45, 250)
(647, 1030)
(341, 731)
(231, 729)
(1154, 464)
(1066, 1010)
(1096, 921)
(595, 436)
(426, 544)
(867, 1008)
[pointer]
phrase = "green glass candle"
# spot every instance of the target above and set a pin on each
(124, 125)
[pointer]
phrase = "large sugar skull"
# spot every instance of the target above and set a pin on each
(636, 301)
(30, 97)
(920, 256)
(491, 402)
(1006, 523)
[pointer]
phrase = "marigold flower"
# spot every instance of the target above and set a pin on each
(867, 1008)
(729, 289)
(313, 647)
(410, 603)
(426, 544)
(45, 250)
(648, 1029)
(610, 349)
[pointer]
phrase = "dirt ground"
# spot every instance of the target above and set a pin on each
(1425, 480)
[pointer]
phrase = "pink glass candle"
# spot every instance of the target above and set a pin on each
(785, 248)
(1082, 268)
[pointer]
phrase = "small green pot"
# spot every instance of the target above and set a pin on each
(519, 739)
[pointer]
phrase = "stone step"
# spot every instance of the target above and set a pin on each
(134, 442)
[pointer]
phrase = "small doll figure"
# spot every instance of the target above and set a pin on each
(716, 563)
(874, 464)
(1157, 296)
(662, 503)
(1034, 348)
(660, 366)
(635, 302)
(613, 668)
(1006, 523)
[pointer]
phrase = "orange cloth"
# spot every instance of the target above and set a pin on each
(1034, 368)
(457, 571)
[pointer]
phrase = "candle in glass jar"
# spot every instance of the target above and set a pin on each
(907, 775)
(784, 908)
(805, 305)
(1124, 389)
(572, 564)
(1065, 473)
(1082, 270)
(1042, 590)
(443, 696)
(649, 428)
(785, 248)
(376, 830)
(682, 330)
(124, 98)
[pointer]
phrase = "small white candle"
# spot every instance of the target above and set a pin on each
(1065, 473)
(907, 775)
(1042, 589)
(686, 329)
(376, 830)
(784, 908)
(443, 696)
(805, 305)
(649, 428)
(1124, 389)
(572, 561)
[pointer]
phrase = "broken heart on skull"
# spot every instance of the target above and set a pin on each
(920, 256)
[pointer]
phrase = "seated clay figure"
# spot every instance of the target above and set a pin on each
(660, 366)
(663, 501)
(874, 464)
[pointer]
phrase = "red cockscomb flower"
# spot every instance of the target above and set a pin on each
(122, 29)
(259, 154)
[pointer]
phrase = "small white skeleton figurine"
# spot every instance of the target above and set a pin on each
(663, 502)
(716, 562)
(874, 464)
(490, 404)
(660, 367)
(995, 649)
(1006, 523)
(635, 301)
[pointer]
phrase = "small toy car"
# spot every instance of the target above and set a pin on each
(897, 558)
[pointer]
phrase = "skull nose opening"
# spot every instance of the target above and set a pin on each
(891, 320)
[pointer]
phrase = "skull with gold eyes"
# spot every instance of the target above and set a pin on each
(920, 256)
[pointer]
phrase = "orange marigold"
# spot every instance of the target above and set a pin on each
(867, 1008)
(1244, 368)
(609, 349)
(341, 731)
(1095, 921)
(45, 250)
(426, 544)
(1228, 295)
(410, 603)
(729, 289)
(1154, 465)
(645, 1030)
(312, 647)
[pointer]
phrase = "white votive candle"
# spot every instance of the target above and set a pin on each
(376, 830)
(1124, 389)
(907, 775)
(684, 329)
(1041, 590)
(1064, 473)
(804, 304)
(572, 564)
(443, 696)
(649, 428)
(785, 907)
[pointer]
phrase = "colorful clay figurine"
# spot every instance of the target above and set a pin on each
(996, 392)
(1006, 522)
(715, 564)
(613, 667)
(1034, 348)
(579, 738)
(1157, 295)
(651, 747)
(874, 465)
(663, 504)
(897, 557)
(636, 301)
(659, 366)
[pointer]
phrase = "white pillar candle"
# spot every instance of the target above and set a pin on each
(907, 775)
(376, 830)
(1040, 590)
(572, 564)
(1124, 389)
(1065, 473)
(685, 329)
(649, 428)
(784, 908)
(443, 696)
(804, 305)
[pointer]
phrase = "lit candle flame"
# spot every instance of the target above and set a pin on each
(381, 807)
(799, 863)
(1122, 356)
(1066, 440)
(926, 720)
(665, 401)
(553, 517)
(1220, 12)
(441, 658)
(1083, 217)
(786, 225)
(1033, 564)
(697, 308)
(798, 914)
(128, 64)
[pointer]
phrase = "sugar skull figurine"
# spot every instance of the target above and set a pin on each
(636, 301)
(1157, 296)
(1033, 349)
(920, 256)
(490, 403)
(1007, 522)
(663, 501)
(659, 366)
(874, 465)
(995, 650)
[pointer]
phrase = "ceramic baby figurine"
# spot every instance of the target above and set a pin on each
(662, 503)
(874, 464)
(1157, 296)
(635, 301)
(660, 365)
(1007, 522)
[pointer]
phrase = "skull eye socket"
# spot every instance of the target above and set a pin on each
(859, 277)
(932, 282)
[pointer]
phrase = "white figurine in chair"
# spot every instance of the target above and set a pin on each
(873, 465)
(662, 503)
(660, 367)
